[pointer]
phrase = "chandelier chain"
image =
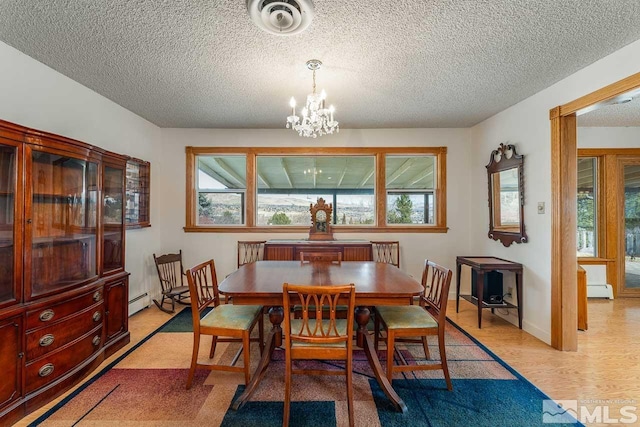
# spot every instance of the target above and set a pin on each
(314, 81)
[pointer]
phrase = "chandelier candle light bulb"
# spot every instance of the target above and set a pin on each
(316, 119)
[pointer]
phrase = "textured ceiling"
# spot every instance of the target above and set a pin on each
(615, 115)
(401, 63)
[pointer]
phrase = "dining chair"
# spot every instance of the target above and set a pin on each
(335, 257)
(233, 322)
(171, 273)
(422, 320)
(386, 251)
(318, 335)
(250, 251)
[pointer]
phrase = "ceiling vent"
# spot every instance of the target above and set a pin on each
(283, 18)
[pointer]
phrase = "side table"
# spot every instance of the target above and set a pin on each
(482, 265)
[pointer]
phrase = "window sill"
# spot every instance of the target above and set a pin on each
(335, 229)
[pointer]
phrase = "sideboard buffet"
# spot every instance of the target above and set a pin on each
(63, 286)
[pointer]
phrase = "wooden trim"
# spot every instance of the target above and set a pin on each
(563, 257)
(379, 153)
(599, 152)
(594, 261)
(563, 335)
(301, 229)
(602, 207)
(250, 194)
(318, 151)
(381, 190)
(612, 218)
(592, 99)
(441, 187)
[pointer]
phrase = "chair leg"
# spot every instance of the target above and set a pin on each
(349, 369)
(261, 333)
(246, 343)
(425, 345)
(214, 342)
(390, 349)
(287, 391)
(443, 360)
(194, 358)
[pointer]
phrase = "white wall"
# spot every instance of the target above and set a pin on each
(39, 97)
(608, 137)
(526, 125)
(197, 247)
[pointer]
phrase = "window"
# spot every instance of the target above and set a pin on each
(137, 194)
(287, 186)
(272, 189)
(222, 184)
(586, 239)
(410, 185)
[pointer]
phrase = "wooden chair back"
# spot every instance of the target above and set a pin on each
(203, 287)
(386, 251)
(436, 281)
(250, 251)
(170, 271)
(320, 257)
(319, 307)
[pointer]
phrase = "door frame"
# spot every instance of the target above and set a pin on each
(621, 162)
(564, 154)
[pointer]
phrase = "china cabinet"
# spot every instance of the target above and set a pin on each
(63, 286)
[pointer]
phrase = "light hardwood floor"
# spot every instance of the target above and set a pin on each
(605, 370)
(605, 367)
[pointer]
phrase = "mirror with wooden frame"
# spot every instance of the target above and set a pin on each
(506, 195)
(321, 221)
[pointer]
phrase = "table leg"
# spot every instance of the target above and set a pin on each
(364, 340)
(480, 288)
(519, 296)
(274, 339)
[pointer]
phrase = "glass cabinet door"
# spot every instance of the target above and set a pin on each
(62, 221)
(7, 209)
(113, 217)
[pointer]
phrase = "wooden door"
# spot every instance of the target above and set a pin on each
(629, 231)
(116, 298)
(11, 360)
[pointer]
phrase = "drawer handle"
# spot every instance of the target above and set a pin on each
(96, 296)
(96, 340)
(47, 315)
(97, 316)
(46, 340)
(46, 370)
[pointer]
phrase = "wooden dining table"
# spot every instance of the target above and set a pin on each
(376, 284)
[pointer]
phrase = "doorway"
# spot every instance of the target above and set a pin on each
(564, 196)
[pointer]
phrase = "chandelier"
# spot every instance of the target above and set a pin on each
(316, 120)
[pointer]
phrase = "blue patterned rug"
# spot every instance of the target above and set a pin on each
(147, 385)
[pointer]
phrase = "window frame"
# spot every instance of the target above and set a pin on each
(380, 190)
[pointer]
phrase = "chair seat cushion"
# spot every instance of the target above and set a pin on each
(341, 326)
(406, 317)
(228, 316)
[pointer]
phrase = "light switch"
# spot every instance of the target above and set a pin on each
(540, 207)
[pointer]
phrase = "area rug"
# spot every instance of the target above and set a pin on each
(146, 387)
